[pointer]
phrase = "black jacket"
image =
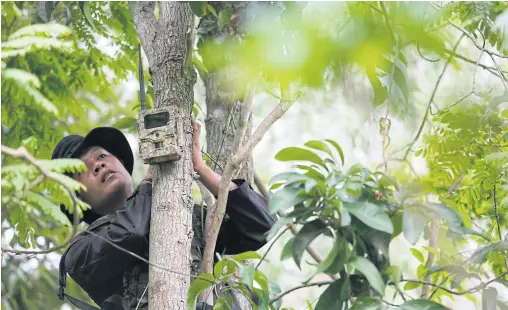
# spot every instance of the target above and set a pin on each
(103, 270)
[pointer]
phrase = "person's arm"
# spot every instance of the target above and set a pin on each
(94, 260)
(207, 176)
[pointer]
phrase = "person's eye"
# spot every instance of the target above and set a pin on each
(101, 156)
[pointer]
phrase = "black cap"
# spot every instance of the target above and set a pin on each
(109, 138)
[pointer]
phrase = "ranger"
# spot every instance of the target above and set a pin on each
(119, 218)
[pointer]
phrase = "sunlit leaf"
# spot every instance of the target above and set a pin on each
(369, 270)
(283, 199)
(305, 236)
(371, 214)
(413, 224)
(298, 154)
(422, 304)
(198, 286)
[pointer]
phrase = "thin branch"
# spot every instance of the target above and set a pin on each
(270, 247)
(462, 57)
(233, 162)
(23, 154)
(214, 161)
(470, 36)
(499, 70)
(431, 100)
(299, 287)
(469, 291)
(421, 55)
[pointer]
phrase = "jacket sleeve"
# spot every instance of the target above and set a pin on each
(248, 222)
(93, 260)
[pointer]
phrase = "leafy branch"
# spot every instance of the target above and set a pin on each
(23, 154)
(431, 99)
(299, 287)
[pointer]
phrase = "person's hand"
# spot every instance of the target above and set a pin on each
(149, 172)
(197, 160)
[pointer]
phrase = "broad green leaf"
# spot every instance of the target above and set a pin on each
(274, 291)
(224, 18)
(309, 305)
(44, 9)
(452, 218)
(282, 222)
(223, 304)
(247, 274)
(287, 251)
(369, 270)
(480, 255)
(48, 207)
(367, 303)
(305, 236)
(247, 255)
(447, 268)
(413, 222)
(298, 154)
(345, 217)
(319, 145)
(335, 295)
(211, 10)
(198, 7)
(338, 148)
(418, 255)
(283, 199)
(49, 29)
(397, 221)
(394, 274)
(497, 156)
(422, 304)
(126, 122)
(411, 286)
(85, 8)
(311, 172)
(261, 279)
(198, 286)
(328, 261)
(224, 267)
(21, 76)
(371, 215)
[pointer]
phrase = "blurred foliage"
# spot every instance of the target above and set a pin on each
(63, 69)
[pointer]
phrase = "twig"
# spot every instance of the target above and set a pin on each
(490, 69)
(270, 247)
(499, 70)
(23, 154)
(235, 160)
(214, 161)
(469, 291)
(470, 36)
(431, 99)
(421, 55)
(299, 287)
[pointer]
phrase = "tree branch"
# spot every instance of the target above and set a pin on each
(270, 247)
(299, 287)
(470, 36)
(146, 25)
(23, 154)
(469, 291)
(431, 100)
(233, 162)
(490, 69)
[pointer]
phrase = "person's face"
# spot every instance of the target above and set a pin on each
(108, 182)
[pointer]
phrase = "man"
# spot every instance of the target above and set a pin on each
(120, 218)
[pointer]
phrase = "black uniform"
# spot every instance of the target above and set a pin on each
(104, 271)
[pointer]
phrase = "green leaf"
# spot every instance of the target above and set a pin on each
(282, 222)
(371, 215)
(126, 122)
(413, 223)
(39, 99)
(274, 291)
(338, 148)
(199, 7)
(309, 305)
(298, 154)
(341, 258)
(418, 255)
(335, 295)
(411, 286)
(224, 267)
(198, 286)
(319, 145)
(211, 10)
(422, 304)
(447, 268)
(53, 29)
(223, 303)
(497, 101)
(480, 255)
(224, 18)
(367, 303)
(261, 279)
(328, 261)
(247, 274)
(199, 64)
(63, 165)
(287, 251)
(283, 199)
(305, 236)
(246, 255)
(85, 9)
(44, 9)
(48, 207)
(503, 156)
(394, 274)
(370, 272)
(21, 76)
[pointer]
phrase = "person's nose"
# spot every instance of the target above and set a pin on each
(98, 166)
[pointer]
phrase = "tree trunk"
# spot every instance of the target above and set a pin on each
(165, 43)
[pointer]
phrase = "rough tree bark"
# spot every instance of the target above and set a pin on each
(165, 42)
